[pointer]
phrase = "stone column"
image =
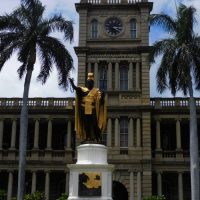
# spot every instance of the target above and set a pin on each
(49, 134)
(180, 186)
(1, 133)
(96, 74)
(130, 133)
(138, 128)
(67, 182)
(34, 181)
(158, 146)
(138, 76)
(117, 76)
(10, 185)
(178, 134)
(109, 76)
(47, 184)
(131, 185)
(109, 132)
(89, 67)
(116, 132)
(36, 134)
(139, 189)
(130, 76)
(69, 133)
(159, 183)
(13, 134)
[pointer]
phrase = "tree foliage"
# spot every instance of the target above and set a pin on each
(180, 53)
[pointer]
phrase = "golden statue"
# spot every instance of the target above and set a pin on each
(90, 111)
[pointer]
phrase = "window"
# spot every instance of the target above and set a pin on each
(133, 28)
(124, 78)
(124, 132)
(168, 135)
(103, 79)
(94, 29)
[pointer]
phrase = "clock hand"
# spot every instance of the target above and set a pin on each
(117, 28)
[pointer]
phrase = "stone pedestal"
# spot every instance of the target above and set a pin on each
(91, 176)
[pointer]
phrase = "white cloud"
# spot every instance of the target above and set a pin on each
(163, 6)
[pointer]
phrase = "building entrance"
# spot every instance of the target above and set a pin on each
(119, 191)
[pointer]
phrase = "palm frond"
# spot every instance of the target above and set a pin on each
(46, 62)
(58, 23)
(10, 23)
(185, 24)
(7, 52)
(164, 72)
(21, 70)
(161, 77)
(195, 54)
(6, 38)
(160, 47)
(60, 57)
(164, 21)
(30, 4)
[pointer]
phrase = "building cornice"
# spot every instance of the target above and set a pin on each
(134, 50)
(103, 6)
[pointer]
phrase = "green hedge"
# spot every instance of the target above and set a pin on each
(155, 198)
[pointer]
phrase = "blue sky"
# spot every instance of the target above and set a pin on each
(11, 86)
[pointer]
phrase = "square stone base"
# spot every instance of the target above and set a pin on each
(105, 172)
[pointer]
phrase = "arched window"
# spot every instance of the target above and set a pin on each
(103, 78)
(124, 78)
(124, 132)
(133, 28)
(94, 29)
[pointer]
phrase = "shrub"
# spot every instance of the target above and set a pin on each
(155, 198)
(63, 197)
(35, 196)
(3, 195)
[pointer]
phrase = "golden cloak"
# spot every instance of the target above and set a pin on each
(100, 108)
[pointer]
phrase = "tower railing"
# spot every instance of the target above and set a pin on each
(112, 1)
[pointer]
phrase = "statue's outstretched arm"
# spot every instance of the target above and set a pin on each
(72, 84)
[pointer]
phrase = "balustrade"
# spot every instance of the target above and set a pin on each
(69, 102)
(169, 154)
(37, 102)
(58, 154)
(113, 1)
(172, 102)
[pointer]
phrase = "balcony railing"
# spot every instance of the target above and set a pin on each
(68, 103)
(37, 102)
(113, 1)
(169, 154)
(41, 154)
(172, 102)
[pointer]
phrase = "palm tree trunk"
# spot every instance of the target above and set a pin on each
(194, 152)
(23, 137)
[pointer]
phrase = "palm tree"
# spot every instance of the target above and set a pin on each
(27, 32)
(179, 70)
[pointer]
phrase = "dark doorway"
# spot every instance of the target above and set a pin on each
(119, 191)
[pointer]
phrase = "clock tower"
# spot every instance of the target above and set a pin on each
(114, 45)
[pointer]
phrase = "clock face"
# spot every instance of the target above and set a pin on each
(113, 26)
